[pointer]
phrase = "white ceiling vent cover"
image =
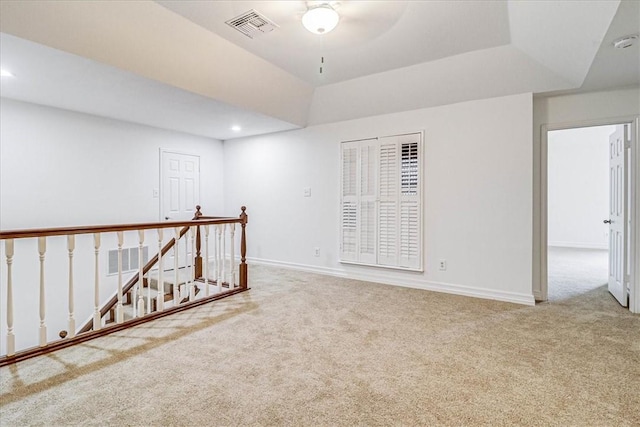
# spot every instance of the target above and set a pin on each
(252, 24)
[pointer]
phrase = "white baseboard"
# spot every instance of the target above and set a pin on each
(579, 245)
(412, 280)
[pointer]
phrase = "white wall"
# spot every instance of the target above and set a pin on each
(477, 206)
(60, 168)
(578, 187)
(576, 110)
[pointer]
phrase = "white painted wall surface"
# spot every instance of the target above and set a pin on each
(60, 168)
(578, 187)
(477, 196)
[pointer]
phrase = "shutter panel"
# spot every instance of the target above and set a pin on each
(388, 169)
(368, 213)
(349, 214)
(349, 231)
(410, 189)
(349, 170)
(388, 205)
(409, 169)
(409, 235)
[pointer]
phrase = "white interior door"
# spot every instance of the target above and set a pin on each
(617, 215)
(180, 178)
(180, 185)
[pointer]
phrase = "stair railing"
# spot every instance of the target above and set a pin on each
(212, 276)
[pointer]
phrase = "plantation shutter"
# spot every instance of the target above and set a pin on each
(381, 202)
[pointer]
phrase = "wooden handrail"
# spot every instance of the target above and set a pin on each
(65, 231)
(149, 265)
(85, 332)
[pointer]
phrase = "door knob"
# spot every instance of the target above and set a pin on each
(607, 221)
(167, 218)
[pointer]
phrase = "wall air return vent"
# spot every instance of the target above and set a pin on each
(252, 24)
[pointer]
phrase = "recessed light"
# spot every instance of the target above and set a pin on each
(236, 128)
(5, 73)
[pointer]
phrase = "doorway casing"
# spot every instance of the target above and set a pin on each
(633, 122)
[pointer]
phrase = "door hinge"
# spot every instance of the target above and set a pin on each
(627, 143)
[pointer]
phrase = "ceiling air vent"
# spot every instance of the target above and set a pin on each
(252, 24)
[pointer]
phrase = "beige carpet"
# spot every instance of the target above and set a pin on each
(308, 350)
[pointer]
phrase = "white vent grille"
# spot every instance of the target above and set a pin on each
(130, 259)
(252, 24)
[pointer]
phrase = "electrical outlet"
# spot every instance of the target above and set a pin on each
(442, 265)
(306, 191)
(316, 251)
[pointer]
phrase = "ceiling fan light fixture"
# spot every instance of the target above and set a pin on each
(320, 19)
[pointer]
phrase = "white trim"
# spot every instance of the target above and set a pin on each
(407, 282)
(634, 288)
(386, 267)
(634, 291)
(578, 245)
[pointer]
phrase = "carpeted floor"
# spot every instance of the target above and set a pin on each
(575, 271)
(307, 350)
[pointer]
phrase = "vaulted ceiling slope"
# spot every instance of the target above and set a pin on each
(384, 56)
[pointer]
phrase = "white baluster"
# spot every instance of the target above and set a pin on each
(42, 248)
(192, 269)
(160, 298)
(232, 232)
(206, 260)
(71, 246)
(176, 286)
(119, 307)
(142, 263)
(140, 306)
(11, 339)
(220, 258)
(224, 252)
(185, 286)
(97, 319)
(215, 255)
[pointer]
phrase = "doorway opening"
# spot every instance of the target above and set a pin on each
(577, 205)
(589, 240)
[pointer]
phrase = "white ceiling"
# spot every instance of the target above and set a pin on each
(177, 65)
(52, 77)
(371, 37)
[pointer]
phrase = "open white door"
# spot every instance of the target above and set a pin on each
(618, 182)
